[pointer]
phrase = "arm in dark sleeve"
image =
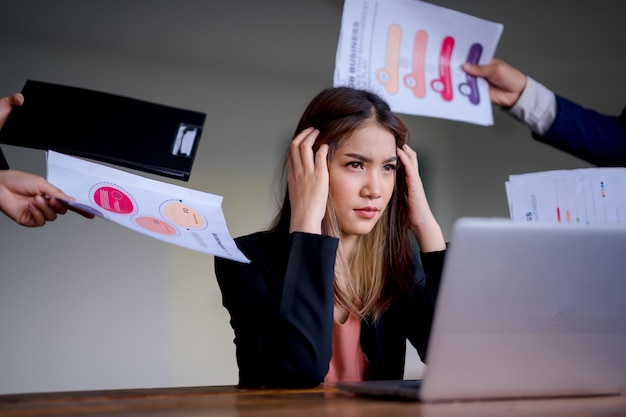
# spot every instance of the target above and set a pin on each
(423, 300)
(409, 317)
(281, 308)
(587, 134)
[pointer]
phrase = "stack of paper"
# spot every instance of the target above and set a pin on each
(579, 196)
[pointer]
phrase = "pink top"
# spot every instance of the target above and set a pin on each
(348, 362)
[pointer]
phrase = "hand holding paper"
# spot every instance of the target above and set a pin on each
(410, 52)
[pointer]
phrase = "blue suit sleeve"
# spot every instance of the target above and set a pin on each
(587, 134)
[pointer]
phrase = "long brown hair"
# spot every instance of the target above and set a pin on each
(382, 263)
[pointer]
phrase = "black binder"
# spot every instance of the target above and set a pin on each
(105, 127)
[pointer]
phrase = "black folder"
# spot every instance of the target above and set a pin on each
(105, 127)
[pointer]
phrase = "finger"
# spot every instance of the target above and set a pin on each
(44, 207)
(7, 103)
(295, 143)
(16, 99)
(321, 162)
(471, 69)
(408, 150)
(407, 156)
(478, 70)
(50, 190)
(35, 219)
(13, 100)
(58, 206)
(294, 146)
(306, 150)
(83, 213)
(301, 150)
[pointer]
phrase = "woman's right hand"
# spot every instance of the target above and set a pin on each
(307, 179)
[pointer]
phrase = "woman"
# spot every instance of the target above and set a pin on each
(336, 286)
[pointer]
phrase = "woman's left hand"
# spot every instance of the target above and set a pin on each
(425, 226)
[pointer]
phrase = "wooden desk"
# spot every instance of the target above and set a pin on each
(323, 401)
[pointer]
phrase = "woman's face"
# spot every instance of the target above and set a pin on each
(362, 178)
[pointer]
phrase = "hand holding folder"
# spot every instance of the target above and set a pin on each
(123, 131)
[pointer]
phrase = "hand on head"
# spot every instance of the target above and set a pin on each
(307, 181)
(425, 226)
(506, 83)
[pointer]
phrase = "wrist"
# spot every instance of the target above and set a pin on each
(536, 107)
(305, 226)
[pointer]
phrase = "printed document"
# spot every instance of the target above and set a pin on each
(410, 53)
(173, 214)
(577, 196)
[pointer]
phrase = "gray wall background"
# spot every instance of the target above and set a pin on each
(86, 304)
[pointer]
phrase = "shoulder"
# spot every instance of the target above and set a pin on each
(275, 247)
(262, 245)
(260, 238)
(272, 240)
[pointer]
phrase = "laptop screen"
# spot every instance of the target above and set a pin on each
(527, 310)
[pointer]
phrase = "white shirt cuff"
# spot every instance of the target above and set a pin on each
(536, 107)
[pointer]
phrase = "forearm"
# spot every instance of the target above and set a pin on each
(423, 300)
(283, 324)
(425, 226)
(306, 310)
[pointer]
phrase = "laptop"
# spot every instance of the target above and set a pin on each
(120, 130)
(525, 310)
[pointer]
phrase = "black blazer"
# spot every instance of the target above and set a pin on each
(281, 309)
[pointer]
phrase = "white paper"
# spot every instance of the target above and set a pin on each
(176, 215)
(410, 53)
(578, 196)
